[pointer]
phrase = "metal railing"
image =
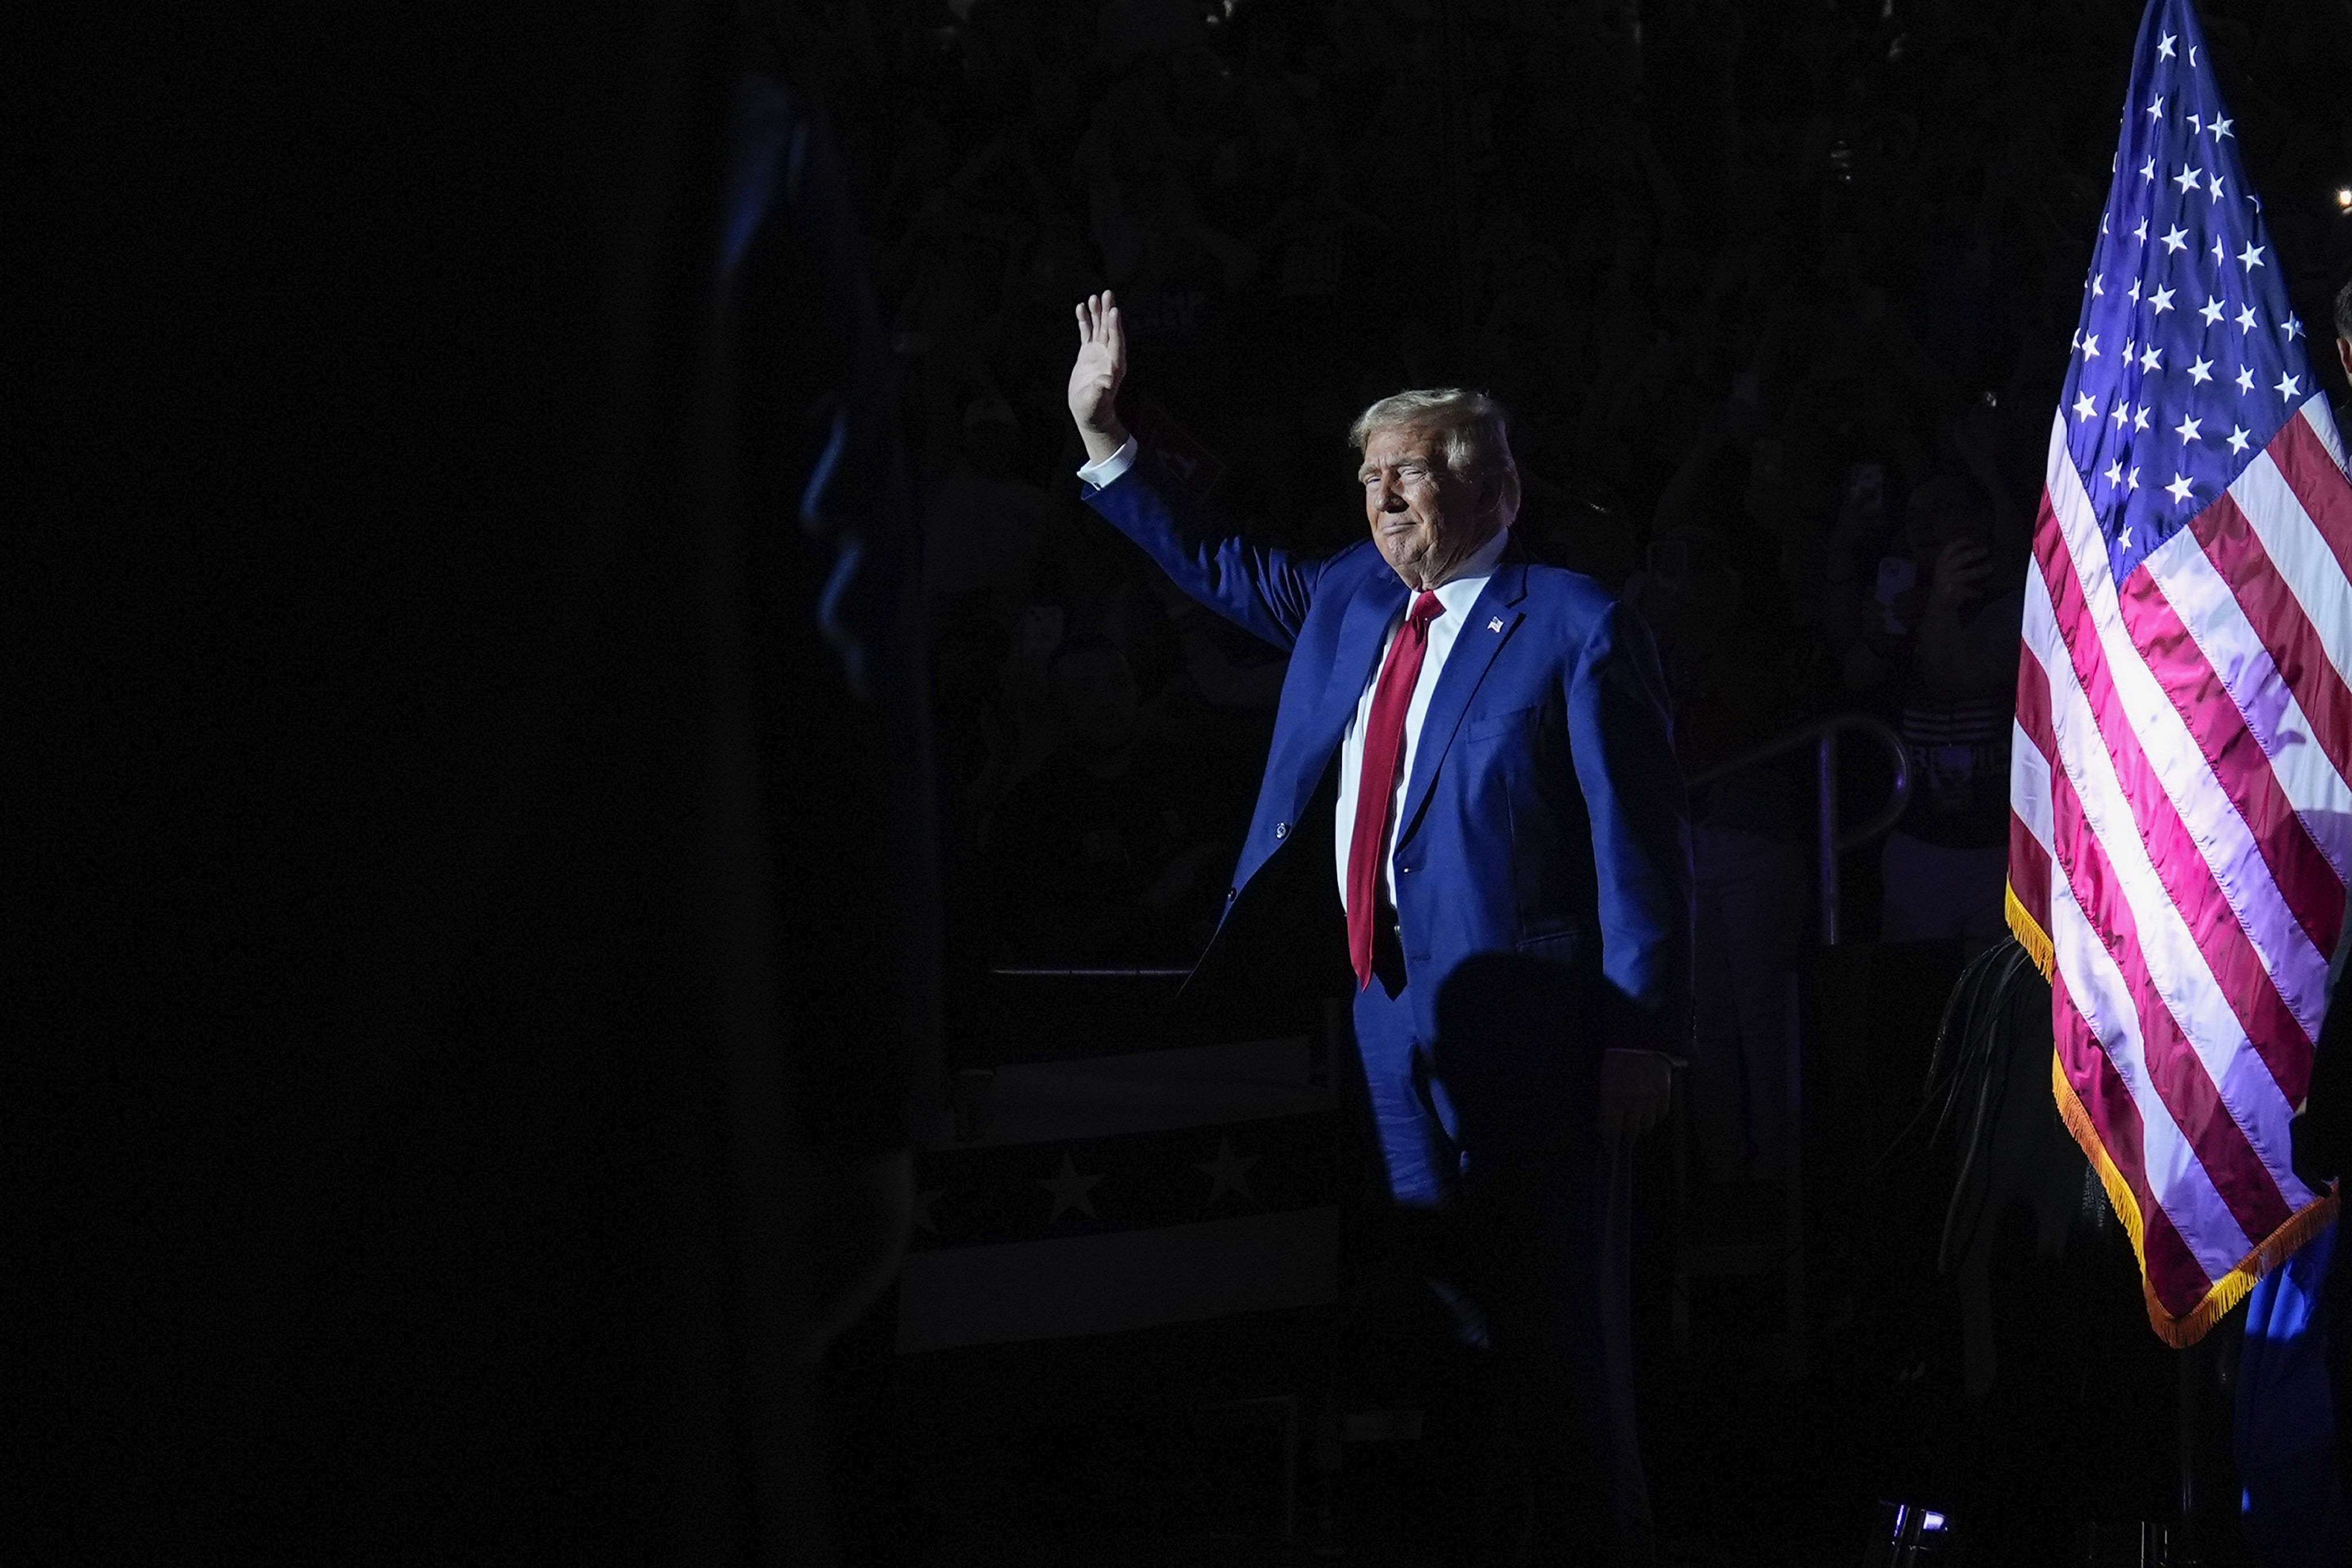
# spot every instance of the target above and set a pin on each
(1822, 733)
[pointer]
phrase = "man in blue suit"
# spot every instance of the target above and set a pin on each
(1507, 841)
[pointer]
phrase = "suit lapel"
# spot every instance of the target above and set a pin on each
(1473, 651)
(1363, 629)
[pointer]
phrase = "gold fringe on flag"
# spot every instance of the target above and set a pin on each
(2226, 1292)
(2028, 933)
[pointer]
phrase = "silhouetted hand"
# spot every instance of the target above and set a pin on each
(1962, 566)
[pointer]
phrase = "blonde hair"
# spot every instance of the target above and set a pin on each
(1473, 433)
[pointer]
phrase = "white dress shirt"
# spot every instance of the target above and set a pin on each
(1110, 468)
(1456, 596)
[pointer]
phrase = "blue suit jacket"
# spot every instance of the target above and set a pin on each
(1545, 815)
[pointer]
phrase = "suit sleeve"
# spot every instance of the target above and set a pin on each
(1623, 743)
(1262, 590)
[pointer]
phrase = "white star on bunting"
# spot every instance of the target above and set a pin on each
(1071, 1191)
(1228, 1173)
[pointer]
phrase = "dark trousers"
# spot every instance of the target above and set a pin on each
(1493, 1251)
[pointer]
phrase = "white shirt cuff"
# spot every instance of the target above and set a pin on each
(1097, 475)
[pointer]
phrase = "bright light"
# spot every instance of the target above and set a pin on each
(2343, 198)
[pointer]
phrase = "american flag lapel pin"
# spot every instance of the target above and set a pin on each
(1495, 625)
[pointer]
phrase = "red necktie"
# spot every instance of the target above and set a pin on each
(1376, 788)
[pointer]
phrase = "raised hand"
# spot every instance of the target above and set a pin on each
(1095, 378)
(1960, 571)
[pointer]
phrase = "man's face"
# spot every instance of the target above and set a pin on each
(1426, 520)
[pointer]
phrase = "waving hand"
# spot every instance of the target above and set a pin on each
(1095, 378)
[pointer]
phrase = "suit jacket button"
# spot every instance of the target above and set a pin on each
(1282, 830)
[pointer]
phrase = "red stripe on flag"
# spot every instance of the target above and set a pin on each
(2028, 872)
(2029, 862)
(2174, 1068)
(2189, 883)
(2318, 484)
(2033, 705)
(2240, 767)
(2172, 1272)
(2276, 615)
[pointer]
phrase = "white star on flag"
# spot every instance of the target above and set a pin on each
(2177, 238)
(2187, 179)
(2245, 380)
(2237, 440)
(1228, 1173)
(2179, 488)
(2187, 429)
(2162, 299)
(2251, 256)
(2164, 49)
(2201, 371)
(2288, 386)
(2246, 320)
(2210, 310)
(2084, 408)
(2293, 328)
(1071, 1191)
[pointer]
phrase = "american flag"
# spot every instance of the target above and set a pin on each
(2182, 825)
